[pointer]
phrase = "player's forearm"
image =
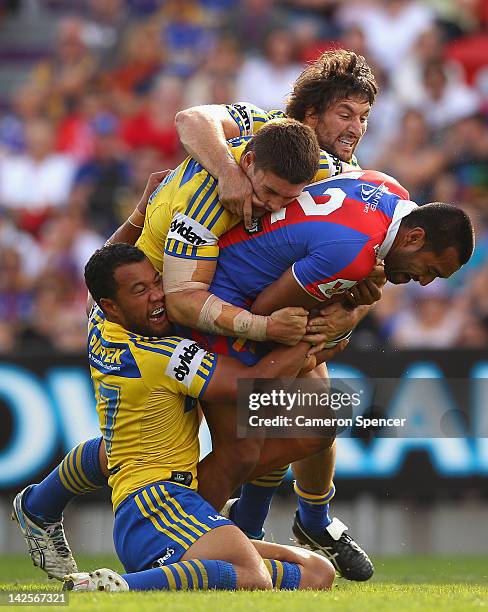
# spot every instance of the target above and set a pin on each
(127, 233)
(204, 311)
(201, 131)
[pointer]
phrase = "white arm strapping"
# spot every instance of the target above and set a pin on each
(244, 324)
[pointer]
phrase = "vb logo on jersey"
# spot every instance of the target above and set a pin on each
(336, 286)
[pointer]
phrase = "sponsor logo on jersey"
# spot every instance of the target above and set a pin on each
(184, 478)
(336, 286)
(371, 194)
(256, 226)
(162, 560)
(109, 355)
(185, 361)
(216, 517)
(187, 230)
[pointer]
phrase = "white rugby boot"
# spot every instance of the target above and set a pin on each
(100, 580)
(46, 542)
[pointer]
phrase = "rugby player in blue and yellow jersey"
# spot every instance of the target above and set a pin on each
(147, 384)
(333, 95)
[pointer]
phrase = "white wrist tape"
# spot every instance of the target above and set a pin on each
(243, 324)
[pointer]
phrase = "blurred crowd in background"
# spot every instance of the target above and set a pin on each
(88, 94)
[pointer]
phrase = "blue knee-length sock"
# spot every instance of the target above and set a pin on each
(193, 574)
(313, 510)
(285, 576)
(78, 473)
(252, 507)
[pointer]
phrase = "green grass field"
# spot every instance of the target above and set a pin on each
(411, 583)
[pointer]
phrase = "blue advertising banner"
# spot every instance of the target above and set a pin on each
(47, 407)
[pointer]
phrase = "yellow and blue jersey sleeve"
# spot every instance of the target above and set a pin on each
(250, 118)
(199, 218)
(175, 363)
(329, 166)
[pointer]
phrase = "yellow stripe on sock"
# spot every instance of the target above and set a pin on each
(279, 574)
(88, 483)
(159, 527)
(65, 477)
(203, 573)
(64, 482)
(182, 575)
(193, 573)
(171, 579)
(322, 498)
(74, 475)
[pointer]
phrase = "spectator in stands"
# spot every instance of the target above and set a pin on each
(446, 98)
(66, 76)
(154, 125)
(100, 180)
(28, 103)
(432, 322)
(267, 81)
(214, 82)
(35, 183)
(412, 158)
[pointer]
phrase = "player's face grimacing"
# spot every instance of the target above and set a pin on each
(271, 192)
(140, 306)
(422, 266)
(341, 126)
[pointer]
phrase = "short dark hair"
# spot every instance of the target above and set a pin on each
(287, 148)
(335, 75)
(445, 226)
(101, 267)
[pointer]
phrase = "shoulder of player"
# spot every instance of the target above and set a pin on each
(180, 359)
(385, 180)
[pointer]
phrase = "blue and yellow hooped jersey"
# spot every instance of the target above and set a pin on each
(146, 391)
(184, 217)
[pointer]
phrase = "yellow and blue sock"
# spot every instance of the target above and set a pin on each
(79, 472)
(313, 510)
(184, 575)
(252, 507)
(285, 576)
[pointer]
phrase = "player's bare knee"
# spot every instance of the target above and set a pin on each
(253, 577)
(318, 573)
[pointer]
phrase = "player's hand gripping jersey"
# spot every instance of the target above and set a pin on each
(146, 391)
(331, 237)
(184, 217)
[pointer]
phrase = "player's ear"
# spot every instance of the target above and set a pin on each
(311, 118)
(110, 308)
(416, 237)
(247, 161)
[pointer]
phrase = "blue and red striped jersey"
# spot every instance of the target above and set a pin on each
(331, 236)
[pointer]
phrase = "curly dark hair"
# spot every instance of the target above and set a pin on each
(335, 75)
(100, 269)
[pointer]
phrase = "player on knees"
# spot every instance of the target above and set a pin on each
(146, 386)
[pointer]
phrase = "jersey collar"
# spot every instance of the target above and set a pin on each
(402, 209)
